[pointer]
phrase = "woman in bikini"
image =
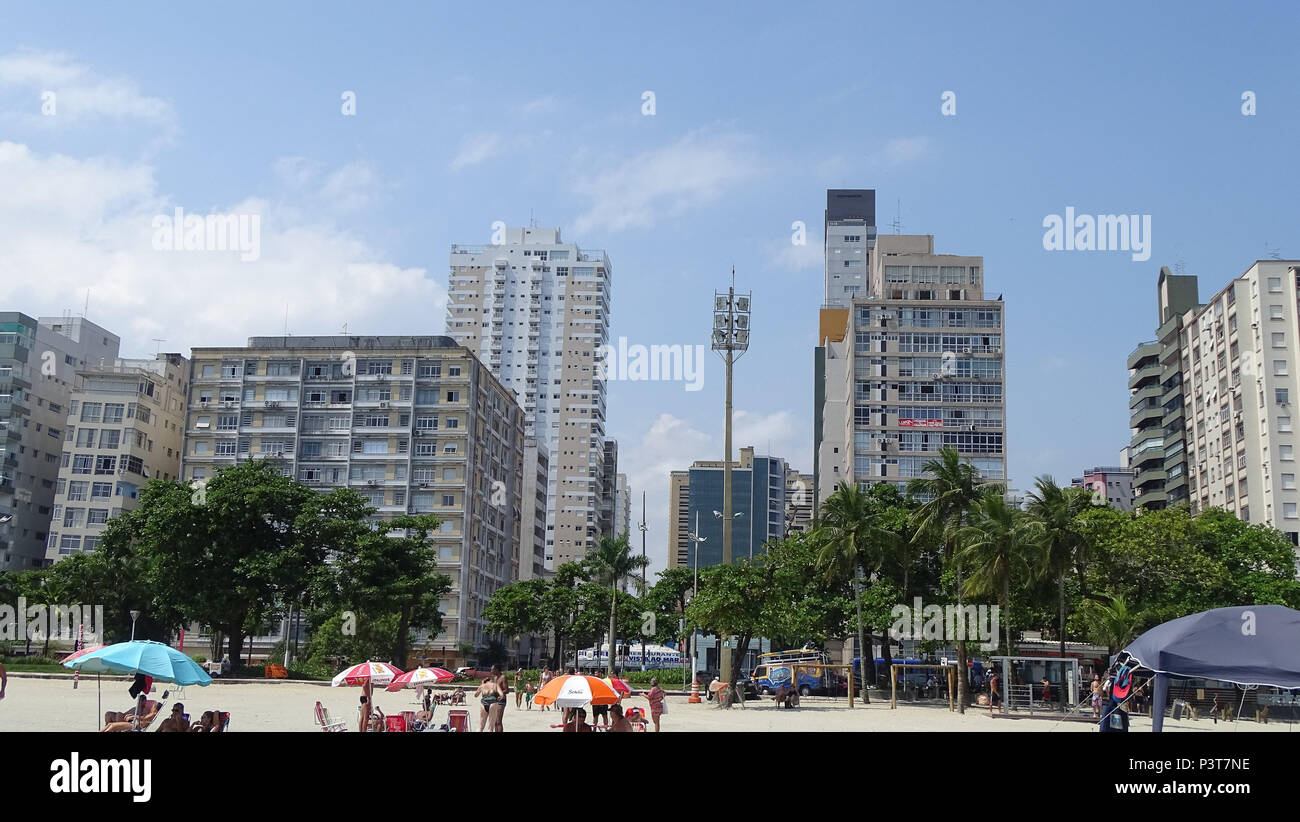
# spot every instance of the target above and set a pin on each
(489, 694)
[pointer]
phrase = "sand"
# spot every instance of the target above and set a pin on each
(39, 704)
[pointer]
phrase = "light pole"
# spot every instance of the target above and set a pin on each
(134, 616)
(730, 339)
(695, 640)
(644, 527)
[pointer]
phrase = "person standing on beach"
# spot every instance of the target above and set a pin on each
(656, 697)
(1096, 696)
(498, 711)
(4, 680)
(489, 694)
(546, 677)
(367, 691)
(519, 688)
(995, 698)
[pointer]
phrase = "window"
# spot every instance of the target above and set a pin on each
(449, 448)
(1284, 424)
(200, 449)
(70, 544)
(448, 500)
(113, 412)
(86, 437)
(1285, 452)
(101, 490)
(81, 463)
(426, 423)
(1275, 312)
(453, 396)
(1288, 482)
(453, 422)
(1281, 395)
(434, 370)
(1288, 510)
(90, 411)
(1279, 368)
(97, 516)
(1275, 285)
(72, 517)
(375, 447)
(77, 490)
(105, 465)
(110, 438)
(1279, 339)
(453, 371)
(449, 473)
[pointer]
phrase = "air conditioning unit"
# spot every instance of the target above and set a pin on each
(203, 404)
(227, 405)
(272, 404)
(372, 482)
(383, 405)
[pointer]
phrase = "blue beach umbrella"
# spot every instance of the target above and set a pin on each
(142, 656)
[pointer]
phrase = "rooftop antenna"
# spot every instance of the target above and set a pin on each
(1180, 265)
(532, 223)
(158, 349)
(897, 225)
(344, 332)
(86, 310)
(1273, 253)
(286, 319)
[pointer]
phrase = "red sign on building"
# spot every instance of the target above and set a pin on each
(909, 422)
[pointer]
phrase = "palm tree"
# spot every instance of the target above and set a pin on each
(951, 487)
(612, 562)
(1114, 624)
(848, 542)
(997, 543)
(1055, 511)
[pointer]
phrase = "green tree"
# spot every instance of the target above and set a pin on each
(950, 488)
(1113, 623)
(851, 544)
(997, 545)
(612, 562)
(1056, 510)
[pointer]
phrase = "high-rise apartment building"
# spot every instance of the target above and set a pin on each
(38, 363)
(1157, 452)
(849, 239)
(532, 558)
(798, 501)
(608, 516)
(914, 366)
(414, 424)
(758, 494)
(536, 310)
(622, 507)
(124, 425)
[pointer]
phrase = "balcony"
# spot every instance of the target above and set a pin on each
(1151, 392)
(1145, 373)
(1143, 351)
(1146, 414)
(1150, 477)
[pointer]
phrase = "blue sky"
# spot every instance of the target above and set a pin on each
(469, 114)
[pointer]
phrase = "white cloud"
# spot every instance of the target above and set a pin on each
(665, 182)
(477, 148)
(541, 105)
(793, 257)
(80, 94)
(900, 151)
(351, 187)
(672, 444)
(68, 225)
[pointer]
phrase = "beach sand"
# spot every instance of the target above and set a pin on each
(33, 704)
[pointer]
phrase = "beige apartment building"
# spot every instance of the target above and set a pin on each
(535, 310)
(124, 426)
(413, 424)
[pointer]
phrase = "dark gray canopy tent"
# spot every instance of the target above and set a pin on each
(1245, 645)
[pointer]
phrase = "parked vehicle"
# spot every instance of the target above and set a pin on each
(804, 669)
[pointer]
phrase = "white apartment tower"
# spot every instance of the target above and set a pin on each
(914, 365)
(1240, 378)
(536, 310)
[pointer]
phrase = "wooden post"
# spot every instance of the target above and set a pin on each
(850, 686)
(952, 681)
(893, 686)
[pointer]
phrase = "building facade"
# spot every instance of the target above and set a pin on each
(414, 424)
(39, 359)
(622, 507)
(125, 425)
(1109, 484)
(798, 501)
(536, 310)
(758, 494)
(915, 366)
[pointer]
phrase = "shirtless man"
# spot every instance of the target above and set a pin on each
(139, 717)
(620, 724)
(176, 722)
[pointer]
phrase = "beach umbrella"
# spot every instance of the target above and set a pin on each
(576, 691)
(141, 656)
(618, 685)
(419, 678)
(99, 684)
(376, 673)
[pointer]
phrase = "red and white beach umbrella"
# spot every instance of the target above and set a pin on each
(576, 691)
(420, 677)
(618, 685)
(377, 673)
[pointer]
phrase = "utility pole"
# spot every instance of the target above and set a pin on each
(643, 528)
(731, 314)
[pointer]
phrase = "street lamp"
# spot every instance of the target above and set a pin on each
(134, 616)
(695, 640)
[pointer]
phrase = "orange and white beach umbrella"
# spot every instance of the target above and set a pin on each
(420, 677)
(377, 673)
(576, 691)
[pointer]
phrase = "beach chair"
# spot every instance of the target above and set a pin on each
(458, 721)
(395, 724)
(323, 718)
(225, 723)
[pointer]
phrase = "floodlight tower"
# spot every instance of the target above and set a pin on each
(731, 313)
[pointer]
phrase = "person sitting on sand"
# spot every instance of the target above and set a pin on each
(138, 718)
(620, 724)
(176, 722)
(577, 722)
